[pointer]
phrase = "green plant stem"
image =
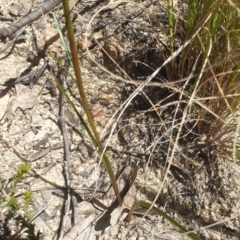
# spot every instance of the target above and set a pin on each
(77, 69)
(163, 214)
(78, 75)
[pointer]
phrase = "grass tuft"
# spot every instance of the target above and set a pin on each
(217, 71)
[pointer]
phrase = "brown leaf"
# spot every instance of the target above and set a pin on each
(82, 229)
(127, 189)
(121, 212)
(109, 197)
(25, 98)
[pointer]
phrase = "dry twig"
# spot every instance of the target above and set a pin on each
(45, 7)
(70, 193)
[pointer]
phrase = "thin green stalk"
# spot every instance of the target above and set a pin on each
(163, 214)
(62, 66)
(78, 75)
(66, 49)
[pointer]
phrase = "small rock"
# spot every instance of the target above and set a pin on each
(13, 9)
(141, 238)
(27, 146)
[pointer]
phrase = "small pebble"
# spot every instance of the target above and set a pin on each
(27, 146)
(141, 238)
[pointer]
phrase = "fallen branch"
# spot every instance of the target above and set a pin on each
(12, 42)
(45, 7)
